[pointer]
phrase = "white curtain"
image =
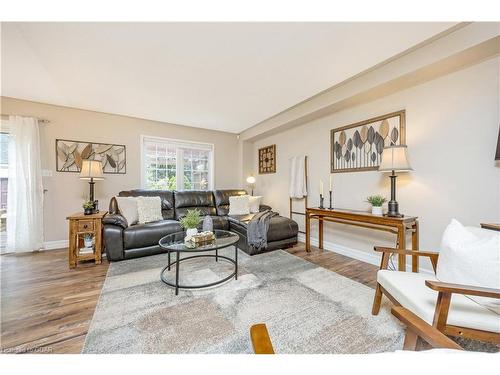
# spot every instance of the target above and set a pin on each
(25, 189)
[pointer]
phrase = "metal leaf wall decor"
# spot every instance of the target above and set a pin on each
(359, 146)
(70, 155)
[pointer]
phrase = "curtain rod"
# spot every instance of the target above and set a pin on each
(40, 120)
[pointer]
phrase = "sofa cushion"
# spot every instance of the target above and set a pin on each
(222, 199)
(280, 227)
(471, 258)
(254, 203)
(239, 205)
(166, 196)
(128, 209)
(199, 199)
(143, 235)
(410, 291)
(148, 209)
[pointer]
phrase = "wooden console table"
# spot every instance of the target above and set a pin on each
(396, 225)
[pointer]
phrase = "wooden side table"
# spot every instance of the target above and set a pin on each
(79, 225)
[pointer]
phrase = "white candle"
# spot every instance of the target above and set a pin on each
(330, 182)
(320, 187)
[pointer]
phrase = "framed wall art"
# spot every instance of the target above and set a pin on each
(267, 159)
(358, 147)
(70, 154)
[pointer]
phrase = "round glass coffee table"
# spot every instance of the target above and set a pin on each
(174, 243)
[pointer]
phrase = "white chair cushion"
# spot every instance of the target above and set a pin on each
(410, 291)
(471, 257)
(254, 203)
(128, 208)
(149, 209)
(239, 205)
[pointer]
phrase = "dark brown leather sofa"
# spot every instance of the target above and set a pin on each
(124, 242)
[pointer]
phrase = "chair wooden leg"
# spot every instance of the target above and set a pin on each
(441, 312)
(411, 341)
(377, 300)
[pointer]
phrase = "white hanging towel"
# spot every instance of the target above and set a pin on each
(298, 177)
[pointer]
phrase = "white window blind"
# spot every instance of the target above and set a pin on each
(169, 164)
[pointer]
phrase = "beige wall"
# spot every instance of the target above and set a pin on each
(65, 190)
(452, 128)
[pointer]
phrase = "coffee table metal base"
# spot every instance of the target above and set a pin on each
(178, 261)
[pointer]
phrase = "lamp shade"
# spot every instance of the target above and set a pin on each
(91, 169)
(395, 158)
(251, 179)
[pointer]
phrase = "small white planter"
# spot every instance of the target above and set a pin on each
(87, 242)
(377, 210)
(191, 231)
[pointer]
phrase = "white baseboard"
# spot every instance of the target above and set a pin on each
(53, 245)
(371, 258)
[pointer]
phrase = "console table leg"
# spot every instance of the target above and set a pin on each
(414, 246)
(320, 229)
(177, 274)
(402, 246)
(308, 233)
(216, 255)
(168, 252)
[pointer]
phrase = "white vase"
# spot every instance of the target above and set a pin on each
(377, 210)
(191, 231)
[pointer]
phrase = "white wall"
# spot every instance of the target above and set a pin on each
(452, 128)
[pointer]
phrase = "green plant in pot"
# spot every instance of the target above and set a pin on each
(88, 207)
(190, 222)
(376, 201)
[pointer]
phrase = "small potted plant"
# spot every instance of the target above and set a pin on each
(87, 240)
(88, 207)
(190, 222)
(376, 201)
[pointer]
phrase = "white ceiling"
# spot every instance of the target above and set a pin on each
(224, 76)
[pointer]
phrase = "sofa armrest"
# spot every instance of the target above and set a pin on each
(265, 207)
(417, 327)
(115, 219)
(469, 290)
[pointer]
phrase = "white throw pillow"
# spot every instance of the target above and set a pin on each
(149, 209)
(254, 203)
(239, 205)
(128, 208)
(468, 259)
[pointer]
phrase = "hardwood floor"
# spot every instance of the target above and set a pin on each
(47, 308)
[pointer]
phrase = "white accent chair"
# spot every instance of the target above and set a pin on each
(455, 309)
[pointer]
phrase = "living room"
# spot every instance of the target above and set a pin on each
(237, 188)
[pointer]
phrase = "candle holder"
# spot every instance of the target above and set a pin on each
(321, 201)
(331, 208)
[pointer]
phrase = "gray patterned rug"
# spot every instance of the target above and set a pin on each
(307, 309)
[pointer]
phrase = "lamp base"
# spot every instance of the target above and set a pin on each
(393, 209)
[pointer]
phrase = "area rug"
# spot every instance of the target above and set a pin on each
(307, 309)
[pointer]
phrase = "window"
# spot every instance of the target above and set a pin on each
(164, 160)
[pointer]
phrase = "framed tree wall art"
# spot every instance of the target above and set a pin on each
(358, 147)
(267, 159)
(70, 154)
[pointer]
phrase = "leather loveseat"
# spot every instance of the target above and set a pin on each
(123, 241)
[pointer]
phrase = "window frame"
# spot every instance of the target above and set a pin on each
(179, 165)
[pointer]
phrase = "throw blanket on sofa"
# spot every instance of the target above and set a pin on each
(257, 229)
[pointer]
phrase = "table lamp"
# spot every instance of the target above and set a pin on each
(251, 182)
(394, 159)
(92, 171)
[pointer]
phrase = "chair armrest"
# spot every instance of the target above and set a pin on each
(406, 252)
(424, 330)
(115, 219)
(469, 290)
(260, 339)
